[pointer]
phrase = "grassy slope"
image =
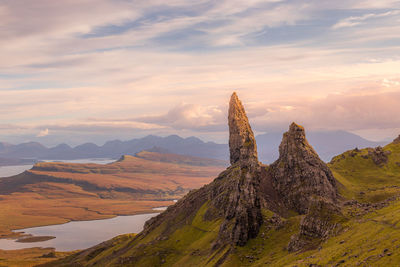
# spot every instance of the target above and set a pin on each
(371, 238)
(365, 181)
(188, 246)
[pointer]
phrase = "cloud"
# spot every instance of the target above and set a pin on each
(358, 112)
(95, 125)
(336, 112)
(62, 17)
(390, 83)
(353, 112)
(43, 133)
(354, 21)
(190, 116)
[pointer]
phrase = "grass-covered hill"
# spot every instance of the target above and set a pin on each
(368, 175)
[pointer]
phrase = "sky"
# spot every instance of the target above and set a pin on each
(73, 71)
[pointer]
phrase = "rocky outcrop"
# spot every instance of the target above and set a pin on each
(378, 155)
(299, 174)
(304, 183)
(322, 219)
(242, 144)
(237, 195)
(397, 140)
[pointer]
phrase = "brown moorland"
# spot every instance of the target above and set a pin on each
(53, 192)
(29, 257)
(56, 192)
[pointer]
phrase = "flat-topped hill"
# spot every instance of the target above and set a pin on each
(180, 159)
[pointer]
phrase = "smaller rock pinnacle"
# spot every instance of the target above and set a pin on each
(300, 174)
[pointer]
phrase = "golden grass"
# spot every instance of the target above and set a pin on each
(28, 257)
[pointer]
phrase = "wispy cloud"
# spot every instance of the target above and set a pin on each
(354, 21)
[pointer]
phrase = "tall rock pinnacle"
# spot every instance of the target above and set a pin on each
(242, 144)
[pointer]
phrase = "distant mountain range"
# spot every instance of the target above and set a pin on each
(327, 144)
(115, 149)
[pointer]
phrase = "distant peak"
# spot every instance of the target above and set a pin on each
(242, 144)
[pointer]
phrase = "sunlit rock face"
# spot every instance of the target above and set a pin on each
(242, 144)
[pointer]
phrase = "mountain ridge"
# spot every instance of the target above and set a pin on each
(114, 149)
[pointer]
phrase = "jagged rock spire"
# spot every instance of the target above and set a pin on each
(295, 140)
(242, 144)
(299, 174)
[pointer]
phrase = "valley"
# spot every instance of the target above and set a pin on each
(56, 193)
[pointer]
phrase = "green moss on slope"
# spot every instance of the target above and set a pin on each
(365, 181)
